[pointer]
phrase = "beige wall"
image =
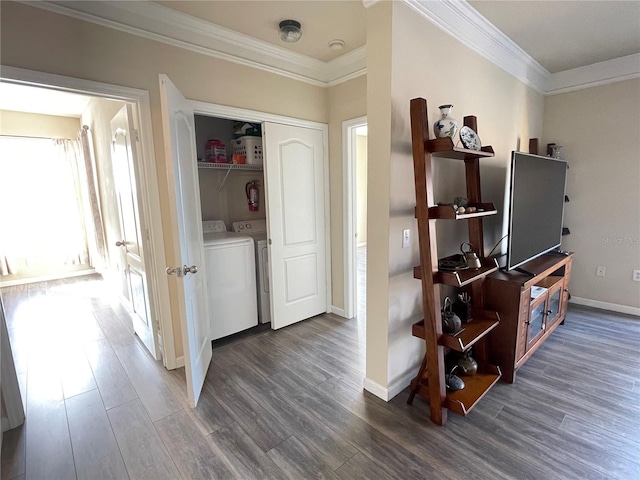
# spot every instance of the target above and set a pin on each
(345, 101)
(361, 187)
(599, 128)
(39, 40)
(379, 111)
(21, 124)
(426, 62)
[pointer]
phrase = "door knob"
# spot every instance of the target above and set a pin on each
(121, 243)
(191, 269)
(174, 271)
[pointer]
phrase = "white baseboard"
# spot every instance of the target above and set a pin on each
(338, 311)
(46, 278)
(387, 393)
(180, 361)
(614, 307)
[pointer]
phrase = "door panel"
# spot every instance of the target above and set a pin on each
(294, 176)
(180, 149)
(133, 281)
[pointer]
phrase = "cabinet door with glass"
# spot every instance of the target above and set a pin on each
(554, 303)
(536, 320)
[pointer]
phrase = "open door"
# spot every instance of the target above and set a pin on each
(294, 177)
(133, 288)
(180, 149)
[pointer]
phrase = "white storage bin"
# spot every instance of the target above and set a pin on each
(250, 147)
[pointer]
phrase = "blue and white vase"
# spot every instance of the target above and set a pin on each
(446, 126)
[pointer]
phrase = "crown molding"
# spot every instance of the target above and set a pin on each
(602, 73)
(465, 24)
(455, 17)
(159, 23)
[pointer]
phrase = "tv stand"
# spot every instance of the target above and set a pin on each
(526, 272)
(526, 320)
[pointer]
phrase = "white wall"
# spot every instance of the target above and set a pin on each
(600, 129)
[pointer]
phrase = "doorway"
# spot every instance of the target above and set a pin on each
(45, 92)
(354, 139)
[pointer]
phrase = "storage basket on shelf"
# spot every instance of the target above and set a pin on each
(250, 147)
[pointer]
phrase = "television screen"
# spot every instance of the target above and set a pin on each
(536, 206)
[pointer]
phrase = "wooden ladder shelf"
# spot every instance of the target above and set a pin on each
(430, 381)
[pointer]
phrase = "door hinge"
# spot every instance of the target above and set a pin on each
(137, 134)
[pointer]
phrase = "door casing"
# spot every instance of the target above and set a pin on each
(146, 182)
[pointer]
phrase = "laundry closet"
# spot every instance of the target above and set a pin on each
(276, 189)
(231, 178)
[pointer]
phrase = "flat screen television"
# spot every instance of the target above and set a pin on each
(536, 206)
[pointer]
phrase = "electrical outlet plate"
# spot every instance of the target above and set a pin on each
(406, 238)
(636, 275)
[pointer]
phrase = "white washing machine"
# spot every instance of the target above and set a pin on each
(231, 280)
(257, 229)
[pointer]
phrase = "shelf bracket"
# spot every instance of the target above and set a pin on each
(224, 179)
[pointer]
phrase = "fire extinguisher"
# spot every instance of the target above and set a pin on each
(251, 188)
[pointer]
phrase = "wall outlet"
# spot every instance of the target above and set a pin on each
(636, 275)
(406, 238)
(600, 271)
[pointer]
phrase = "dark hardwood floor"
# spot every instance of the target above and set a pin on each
(290, 404)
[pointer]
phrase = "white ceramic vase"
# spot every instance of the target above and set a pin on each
(446, 126)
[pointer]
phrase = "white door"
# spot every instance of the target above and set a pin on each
(294, 176)
(133, 281)
(180, 149)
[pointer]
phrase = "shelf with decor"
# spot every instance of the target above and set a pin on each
(483, 321)
(431, 381)
(230, 166)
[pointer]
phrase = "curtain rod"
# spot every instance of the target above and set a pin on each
(33, 137)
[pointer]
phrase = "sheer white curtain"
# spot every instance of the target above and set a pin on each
(41, 221)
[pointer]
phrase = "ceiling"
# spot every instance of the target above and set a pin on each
(562, 35)
(558, 35)
(322, 21)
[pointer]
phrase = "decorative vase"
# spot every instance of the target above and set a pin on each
(446, 126)
(556, 151)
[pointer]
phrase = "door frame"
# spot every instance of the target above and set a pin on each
(253, 116)
(349, 213)
(146, 183)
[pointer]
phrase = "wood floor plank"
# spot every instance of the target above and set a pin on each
(314, 434)
(360, 467)
(143, 452)
(297, 461)
(242, 456)
(208, 415)
(48, 445)
(263, 428)
(156, 396)
(598, 437)
(189, 449)
(113, 328)
(431, 445)
(95, 449)
(113, 383)
(75, 373)
(586, 460)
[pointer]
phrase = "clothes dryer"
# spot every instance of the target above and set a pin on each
(231, 280)
(257, 229)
